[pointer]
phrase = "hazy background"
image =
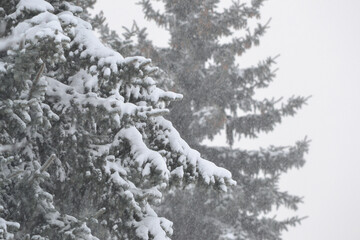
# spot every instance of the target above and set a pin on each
(319, 43)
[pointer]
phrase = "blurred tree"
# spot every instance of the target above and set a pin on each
(84, 149)
(201, 62)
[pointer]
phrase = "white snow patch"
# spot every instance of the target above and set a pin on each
(31, 6)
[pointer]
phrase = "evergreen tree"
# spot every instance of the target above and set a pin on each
(85, 151)
(201, 62)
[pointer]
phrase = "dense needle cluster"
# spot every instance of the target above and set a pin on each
(203, 62)
(84, 148)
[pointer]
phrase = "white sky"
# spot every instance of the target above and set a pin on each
(319, 43)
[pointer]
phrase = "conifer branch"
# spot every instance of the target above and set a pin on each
(47, 163)
(99, 213)
(15, 174)
(36, 80)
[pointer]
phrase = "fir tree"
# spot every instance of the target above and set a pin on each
(219, 94)
(85, 151)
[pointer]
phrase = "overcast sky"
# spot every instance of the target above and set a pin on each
(319, 43)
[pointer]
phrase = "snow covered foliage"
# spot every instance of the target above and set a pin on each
(203, 62)
(84, 148)
(247, 211)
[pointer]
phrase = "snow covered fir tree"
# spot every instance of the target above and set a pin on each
(202, 62)
(85, 151)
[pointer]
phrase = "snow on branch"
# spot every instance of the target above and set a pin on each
(191, 159)
(142, 155)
